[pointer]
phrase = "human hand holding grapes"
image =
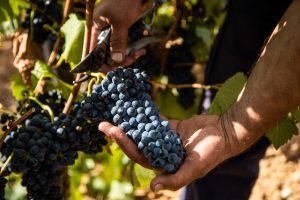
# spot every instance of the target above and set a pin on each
(203, 140)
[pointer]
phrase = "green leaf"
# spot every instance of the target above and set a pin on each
(17, 4)
(227, 94)
(143, 176)
(282, 132)
(17, 86)
(6, 12)
(42, 70)
(73, 30)
(205, 34)
(296, 113)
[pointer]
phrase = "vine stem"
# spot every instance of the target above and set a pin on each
(65, 183)
(90, 86)
(176, 20)
(15, 124)
(86, 46)
(5, 164)
(59, 38)
(181, 86)
(44, 107)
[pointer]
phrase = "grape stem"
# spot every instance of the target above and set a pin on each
(100, 76)
(182, 86)
(5, 164)
(58, 36)
(86, 46)
(90, 86)
(44, 107)
(15, 124)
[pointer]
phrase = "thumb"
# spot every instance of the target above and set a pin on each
(118, 43)
(182, 177)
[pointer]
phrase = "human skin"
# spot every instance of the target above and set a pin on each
(120, 15)
(271, 91)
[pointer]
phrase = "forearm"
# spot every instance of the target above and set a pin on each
(273, 88)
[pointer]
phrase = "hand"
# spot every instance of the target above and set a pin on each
(126, 144)
(120, 15)
(206, 147)
(203, 140)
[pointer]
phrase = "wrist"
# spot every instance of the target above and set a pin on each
(241, 129)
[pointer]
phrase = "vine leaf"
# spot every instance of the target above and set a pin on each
(282, 132)
(6, 12)
(296, 113)
(227, 94)
(17, 86)
(143, 175)
(73, 30)
(17, 4)
(41, 70)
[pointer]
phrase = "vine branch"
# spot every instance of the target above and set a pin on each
(86, 46)
(172, 30)
(182, 86)
(15, 124)
(59, 38)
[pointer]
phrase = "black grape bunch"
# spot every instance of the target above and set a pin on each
(123, 98)
(48, 12)
(41, 148)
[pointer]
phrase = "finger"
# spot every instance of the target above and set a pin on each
(133, 56)
(118, 43)
(126, 144)
(182, 177)
(106, 68)
(98, 25)
(174, 124)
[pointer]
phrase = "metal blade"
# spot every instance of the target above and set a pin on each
(93, 61)
(141, 43)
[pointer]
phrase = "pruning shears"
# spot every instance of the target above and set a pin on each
(100, 55)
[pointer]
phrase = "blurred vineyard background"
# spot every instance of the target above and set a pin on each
(188, 29)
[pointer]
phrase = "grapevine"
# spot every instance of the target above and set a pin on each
(48, 131)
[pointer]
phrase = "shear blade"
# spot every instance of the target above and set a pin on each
(92, 63)
(83, 66)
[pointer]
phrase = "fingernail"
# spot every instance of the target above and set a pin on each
(117, 57)
(158, 187)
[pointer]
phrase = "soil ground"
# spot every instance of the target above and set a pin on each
(279, 176)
